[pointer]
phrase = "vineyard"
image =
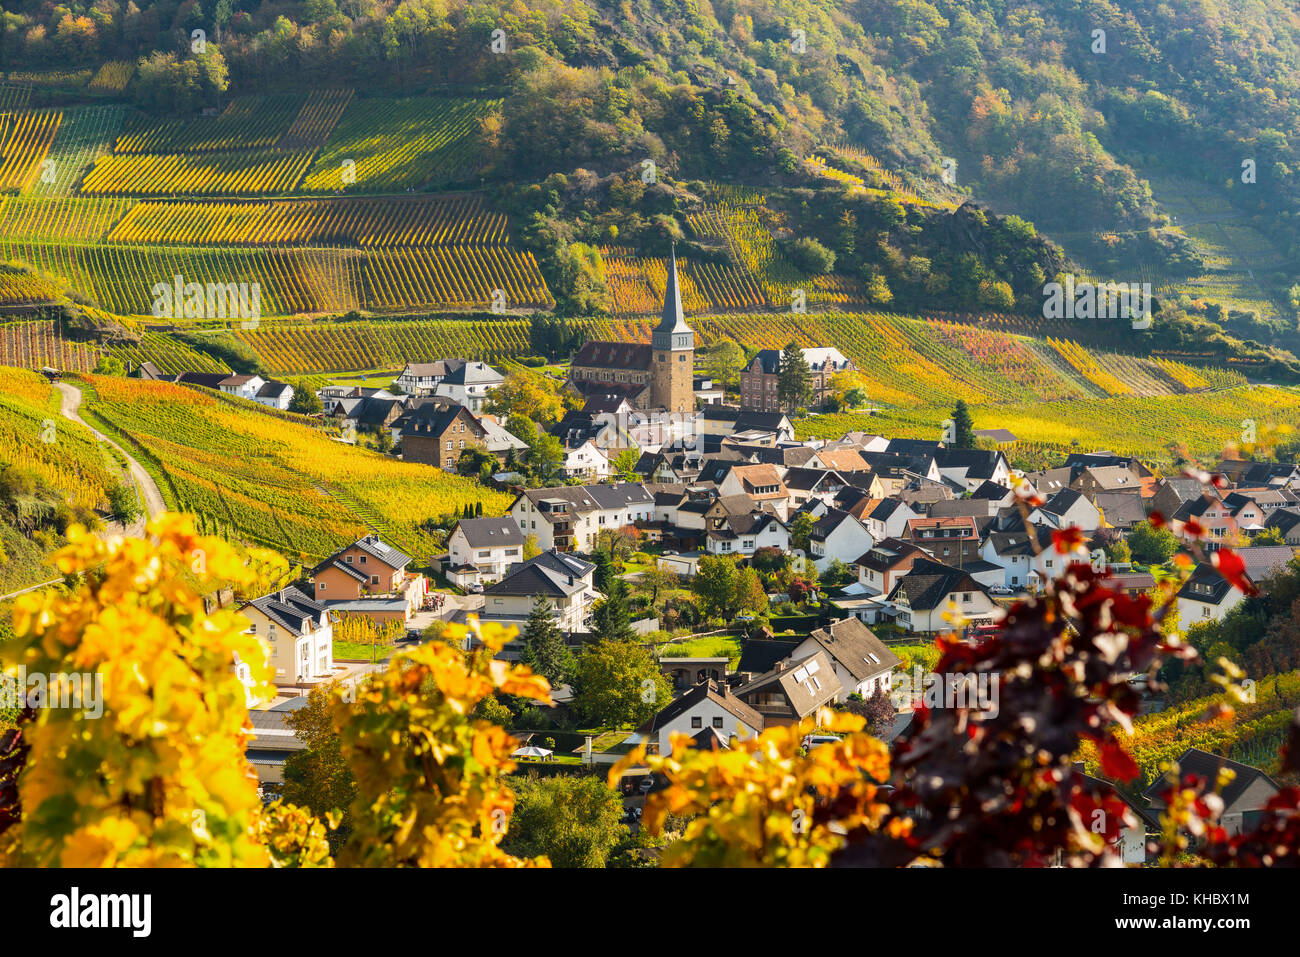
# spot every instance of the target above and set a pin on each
(260, 478)
(248, 123)
(112, 77)
(85, 134)
(244, 173)
(35, 345)
(25, 138)
(460, 219)
(389, 145)
(297, 349)
(1204, 422)
(72, 463)
(1250, 733)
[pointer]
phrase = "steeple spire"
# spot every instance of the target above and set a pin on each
(674, 320)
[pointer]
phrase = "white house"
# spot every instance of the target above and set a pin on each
(839, 535)
(1065, 509)
(563, 580)
(587, 461)
(469, 384)
(570, 517)
(422, 378)
(298, 632)
(708, 713)
(971, 468)
(277, 395)
(481, 550)
(862, 662)
(931, 589)
(888, 517)
(1206, 596)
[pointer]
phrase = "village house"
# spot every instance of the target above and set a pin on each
(709, 709)
(422, 378)
(563, 580)
(760, 380)
(762, 483)
(862, 662)
(481, 550)
(569, 517)
(733, 525)
(970, 468)
(366, 567)
(586, 461)
(952, 540)
(837, 535)
(268, 392)
(469, 385)
(792, 690)
(1067, 508)
(298, 632)
(888, 560)
(438, 435)
(1243, 797)
(932, 589)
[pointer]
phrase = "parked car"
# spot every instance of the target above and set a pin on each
(811, 741)
(646, 785)
(474, 589)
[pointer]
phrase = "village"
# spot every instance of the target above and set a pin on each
(751, 578)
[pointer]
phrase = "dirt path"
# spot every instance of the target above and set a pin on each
(70, 402)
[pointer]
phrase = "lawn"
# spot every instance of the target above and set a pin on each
(710, 646)
(360, 650)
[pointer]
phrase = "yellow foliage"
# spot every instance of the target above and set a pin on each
(763, 804)
(430, 787)
(159, 778)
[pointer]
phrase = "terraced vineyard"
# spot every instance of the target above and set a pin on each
(248, 123)
(85, 134)
(25, 138)
(293, 348)
(1142, 426)
(259, 477)
(460, 219)
(245, 173)
(390, 145)
(70, 218)
(35, 345)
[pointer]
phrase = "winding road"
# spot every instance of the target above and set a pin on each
(69, 402)
(151, 495)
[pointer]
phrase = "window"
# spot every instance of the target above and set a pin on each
(348, 559)
(322, 586)
(697, 723)
(363, 559)
(717, 722)
(374, 579)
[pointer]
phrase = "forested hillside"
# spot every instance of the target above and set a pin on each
(1058, 112)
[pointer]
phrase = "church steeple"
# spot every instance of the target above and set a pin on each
(672, 331)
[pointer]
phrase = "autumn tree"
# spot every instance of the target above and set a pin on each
(619, 684)
(572, 821)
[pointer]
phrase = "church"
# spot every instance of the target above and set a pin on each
(659, 375)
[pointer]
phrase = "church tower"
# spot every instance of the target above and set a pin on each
(672, 348)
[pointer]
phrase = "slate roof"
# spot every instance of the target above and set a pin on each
(807, 683)
(490, 532)
(614, 355)
(929, 583)
(758, 656)
(979, 463)
(291, 609)
(473, 373)
(375, 547)
(709, 690)
(856, 648)
(888, 552)
(553, 574)
(1206, 766)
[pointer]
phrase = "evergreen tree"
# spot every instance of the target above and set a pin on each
(544, 648)
(605, 572)
(794, 381)
(963, 426)
(610, 621)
